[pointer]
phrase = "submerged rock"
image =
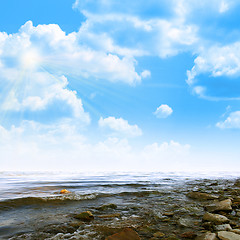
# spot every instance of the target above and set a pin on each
(225, 205)
(125, 234)
(224, 235)
(201, 196)
(185, 222)
(107, 206)
(85, 216)
(207, 236)
(215, 218)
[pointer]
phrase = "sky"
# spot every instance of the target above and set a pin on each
(111, 85)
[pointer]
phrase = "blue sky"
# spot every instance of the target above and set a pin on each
(111, 85)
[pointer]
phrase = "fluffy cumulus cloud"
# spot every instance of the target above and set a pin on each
(232, 121)
(34, 146)
(167, 28)
(36, 62)
(219, 63)
(120, 126)
(163, 111)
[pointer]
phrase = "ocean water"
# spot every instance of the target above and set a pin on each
(31, 206)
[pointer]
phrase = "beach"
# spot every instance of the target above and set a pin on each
(153, 205)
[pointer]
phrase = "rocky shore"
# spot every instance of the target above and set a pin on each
(201, 210)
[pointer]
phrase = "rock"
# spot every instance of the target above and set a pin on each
(224, 235)
(208, 225)
(64, 191)
(85, 216)
(215, 218)
(236, 231)
(201, 196)
(158, 235)
(125, 234)
(169, 214)
(223, 227)
(107, 206)
(207, 236)
(188, 235)
(224, 205)
(185, 222)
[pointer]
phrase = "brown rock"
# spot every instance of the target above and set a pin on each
(224, 205)
(207, 236)
(189, 235)
(85, 216)
(236, 231)
(224, 235)
(215, 218)
(125, 234)
(158, 234)
(201, 196)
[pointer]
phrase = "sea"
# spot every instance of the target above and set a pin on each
(32, 207)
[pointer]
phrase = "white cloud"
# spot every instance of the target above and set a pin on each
(163, 111)
(145, 74)
(35, 61)
(216, 61)
(61, 147)
(233, 121)
(120, 125)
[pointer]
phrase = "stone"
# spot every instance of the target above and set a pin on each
(236, 231)
(207, 236)
(225, 205)
(215, 218)
(223, 227)
(107, 206)
(201, 196)
(158, 235)
(188, 235)
(125, 234)
(64, 191)
(224, 235)
(85, 216)
(185, 222)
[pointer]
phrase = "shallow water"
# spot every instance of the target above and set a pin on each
(31, 206)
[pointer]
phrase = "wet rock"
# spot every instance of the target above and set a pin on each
(201, 196)
(125, 234)
(185, 222)
(107, 206)
(223, 227)
(224, 235)
(215, 218)
(64, 191)
(224, 205)
(207, 236)
(85, 216)
(158, 235)
(188, 235)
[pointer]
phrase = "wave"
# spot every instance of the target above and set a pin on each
(26, 201)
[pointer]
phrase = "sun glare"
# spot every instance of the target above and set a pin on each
(30, 59)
